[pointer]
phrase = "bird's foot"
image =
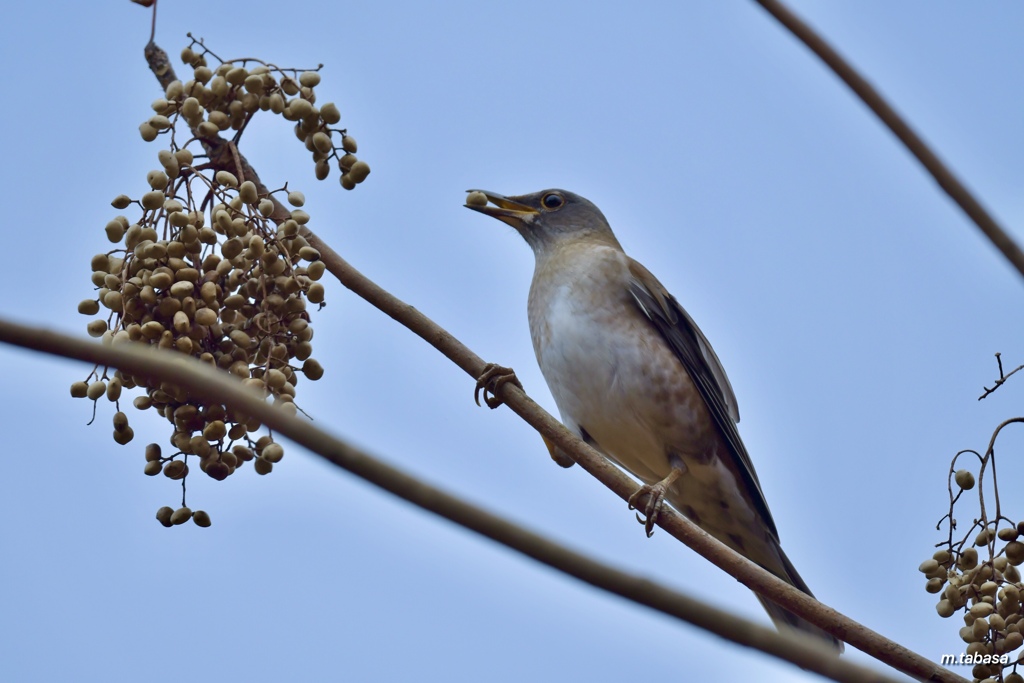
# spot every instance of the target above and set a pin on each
(655, 494)
(490, 383)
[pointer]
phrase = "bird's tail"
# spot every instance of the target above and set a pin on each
(783, 618)
(754, 539)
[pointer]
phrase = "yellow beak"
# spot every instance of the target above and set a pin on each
(505, 209)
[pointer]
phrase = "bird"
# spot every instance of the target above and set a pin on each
(635, 378)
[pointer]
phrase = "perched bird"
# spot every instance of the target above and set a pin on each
(634, 376)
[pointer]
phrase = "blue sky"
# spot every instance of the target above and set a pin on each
(855, 309)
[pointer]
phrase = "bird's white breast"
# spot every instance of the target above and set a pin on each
(615, 378)
(607, 367)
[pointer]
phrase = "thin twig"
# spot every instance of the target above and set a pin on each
(1002, 376)
(945, 177)
(220, 387)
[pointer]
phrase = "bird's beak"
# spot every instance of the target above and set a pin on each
(504, 209)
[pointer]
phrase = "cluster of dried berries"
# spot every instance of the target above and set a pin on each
(986, 589)
(226, 97)
(203, 270)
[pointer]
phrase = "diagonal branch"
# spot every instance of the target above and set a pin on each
(220, 387)
(943, 175)
(746, 572)
(743, 570)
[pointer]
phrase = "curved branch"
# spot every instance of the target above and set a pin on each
(942, 174)
(220, 387)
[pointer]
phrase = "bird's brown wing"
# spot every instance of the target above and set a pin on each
(695, 353)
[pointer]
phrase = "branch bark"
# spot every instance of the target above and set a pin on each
(942, 174)
(215, 386)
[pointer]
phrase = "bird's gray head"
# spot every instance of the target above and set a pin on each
(547, 218)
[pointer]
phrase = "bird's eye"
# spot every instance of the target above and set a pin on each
(552, 201)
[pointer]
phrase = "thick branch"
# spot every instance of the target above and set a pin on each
(945, 177)
(220, 387)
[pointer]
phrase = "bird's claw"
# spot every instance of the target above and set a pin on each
(655, 494)
(490, 382)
